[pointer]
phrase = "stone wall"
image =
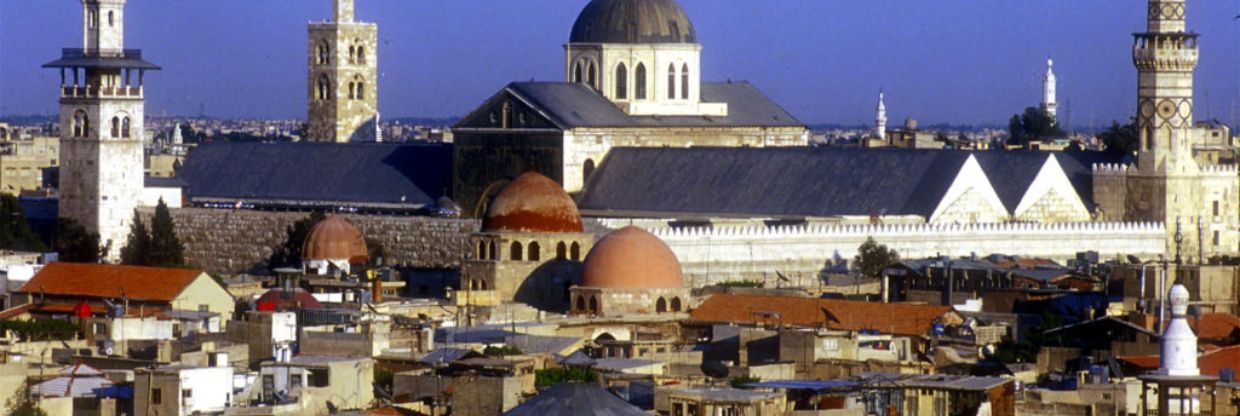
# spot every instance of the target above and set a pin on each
(227, 241)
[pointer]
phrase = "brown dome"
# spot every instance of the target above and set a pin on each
(532, 203)
(281, 300)
(632, 258)
(335, 238)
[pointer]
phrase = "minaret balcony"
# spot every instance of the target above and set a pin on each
(86, 91)
(70, 53)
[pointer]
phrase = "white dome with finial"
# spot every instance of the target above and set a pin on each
(1179, 343)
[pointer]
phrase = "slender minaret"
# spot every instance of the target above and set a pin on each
(1049, 102)
(1179, 343)
(880, 118)
(101, 126)
(342, 80)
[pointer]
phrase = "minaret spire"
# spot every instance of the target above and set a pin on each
(1050, 103)
(880, 117)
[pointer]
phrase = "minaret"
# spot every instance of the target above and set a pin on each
(342, 80)
(1166, 186)
(1179, 343)
(177, 139)
(1178, 387)
(1049, 102)
(880, 118)
(101, 126)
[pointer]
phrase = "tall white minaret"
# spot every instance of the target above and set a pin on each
(1179, 343)
(1049, 102)
(880, 118)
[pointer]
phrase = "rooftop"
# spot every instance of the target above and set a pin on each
(110, 281)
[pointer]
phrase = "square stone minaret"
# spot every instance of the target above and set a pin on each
(101, 126)
(342, 83)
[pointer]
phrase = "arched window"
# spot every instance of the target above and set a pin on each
(587, 169)
(684, 82)
(80, 124)
(325, 88)
(116, 127)
(593, 307)
(515, 251)
(592, 76)
(676, 304)
(671, 82)
(351, 87)
(580, 304)
(561, 251)
(494, 252)
(660, 306)
(352, 54)
(535, 253)
(325, 53)
(575, 252)
(640, 84)
(361, 55)
(125, 127)
(357, 88)
(482, 250)
(622, 82)
(577, 72)
(111, 19)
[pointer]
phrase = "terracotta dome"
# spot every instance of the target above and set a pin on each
(279, 299)
(335, 238)
(532, 203)
(632, 258)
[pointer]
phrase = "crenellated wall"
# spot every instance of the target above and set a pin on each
(800, 253)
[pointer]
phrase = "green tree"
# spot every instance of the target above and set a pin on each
(74, 243)
(1033, 124)
(21, 404)
(1120, 138)
(166, 249)
(137, 248)
(289, 253)
(872, 258)
(376, 251)
(15, 232)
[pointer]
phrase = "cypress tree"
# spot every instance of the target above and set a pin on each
(15, 232)
(137, 250)
(165, 248)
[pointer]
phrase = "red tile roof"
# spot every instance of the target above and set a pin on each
(109, 281)
(1215, 326)
(888, 318)
(1210, 363)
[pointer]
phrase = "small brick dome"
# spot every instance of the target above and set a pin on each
(632, 258)
(335, 238)
(532, 203)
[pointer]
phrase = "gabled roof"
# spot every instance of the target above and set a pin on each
(571, 105)
(110, 281)
(1011, 173)
(1210, 362)
(795, 182)
(360, 174)
(1079, 168)
(887, 318)
(1215, 326)
(576, 399)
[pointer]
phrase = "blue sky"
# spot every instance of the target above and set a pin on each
(949, 61)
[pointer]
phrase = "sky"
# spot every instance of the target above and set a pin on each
(947, 61)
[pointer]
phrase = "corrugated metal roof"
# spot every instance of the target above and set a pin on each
(357, 173)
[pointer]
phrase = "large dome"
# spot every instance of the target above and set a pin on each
(335, 238)
(532, 203)
(632, 258)
(633, 21)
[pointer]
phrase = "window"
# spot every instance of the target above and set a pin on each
(535, 254)
(506, 115)
(111, 19)
(1216, 208)
(593, 307)
(640, 84)
(352, 54)
(482, 250)
(494, 250)
(575, 251)
(1216, 238)
(325, 88)
(660, 306)
(187, 393)
(581, 303)
(361, 87)
(351, 87)
(577, 72)
(361, 55)
(204, 308)
(116, 127)
(671, 82)
(325, 53)
(561, 251)
(587, 169)
(622, 82)
(684, 82)
(675, 304)
(591, 74)
(81, 124)
(92, 19)
(125, 127)
(157, 396)
(319, 378)
(515, 251)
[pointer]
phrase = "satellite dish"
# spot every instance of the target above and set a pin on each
(714, 369)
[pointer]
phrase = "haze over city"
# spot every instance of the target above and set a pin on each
(960, 62)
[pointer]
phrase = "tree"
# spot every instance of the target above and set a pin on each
(22, 404)
(1120, 138)
(166, 249)
(872, 258)
(376, 252)
(74, 243)
(1033, 124)
(289, 253)
(15, 232)
(137, 248)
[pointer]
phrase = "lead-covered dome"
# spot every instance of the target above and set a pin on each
(632, 258)
(633, 21)
(335, 238)
(532, 203)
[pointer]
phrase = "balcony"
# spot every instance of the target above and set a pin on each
(86, 91)
(74, 53)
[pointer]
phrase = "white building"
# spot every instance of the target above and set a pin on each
(184, 390)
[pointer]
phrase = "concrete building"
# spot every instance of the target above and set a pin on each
(309, 385)
(632, 78)
(926, 395)
(101, 125)
(1197, 202)
(723, 401)
(24, 162)
(183, 390)
(343, 84)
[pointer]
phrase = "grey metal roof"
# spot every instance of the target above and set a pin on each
(819, 386)
(1079, 168)
(793, 182)
(572, 105)
(399, 175)
(162, 182)
(576, 399)
(446, 355)
(118, 59)
(1011, 173)
(534, 344)
(633, 21)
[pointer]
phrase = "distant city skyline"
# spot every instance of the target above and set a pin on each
(959, 62)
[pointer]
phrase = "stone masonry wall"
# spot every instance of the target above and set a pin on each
(226, 241)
